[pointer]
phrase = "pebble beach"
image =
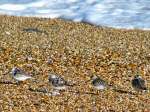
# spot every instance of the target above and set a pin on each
(41, 46)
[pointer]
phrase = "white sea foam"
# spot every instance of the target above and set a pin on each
(12, 7)
(37, 4)
(113, 13)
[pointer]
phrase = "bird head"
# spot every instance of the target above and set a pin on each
(137, 76)
(51, 77)
(14, 71)
(93, 77)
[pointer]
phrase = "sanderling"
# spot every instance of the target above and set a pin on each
(19, 75)
(98, 83)
(58, 82)
(138, 83)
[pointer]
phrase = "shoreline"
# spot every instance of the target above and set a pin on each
(76, 51)
(82, 22)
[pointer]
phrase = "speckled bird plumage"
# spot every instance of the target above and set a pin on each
(57, 82)
(98, 83)
(138, 83)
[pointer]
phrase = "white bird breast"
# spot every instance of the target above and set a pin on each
(60, 88)
(100, 87)
(22, 78)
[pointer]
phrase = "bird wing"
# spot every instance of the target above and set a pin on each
(98, 81)
(22, 73)
(142, 84)
(58, 82)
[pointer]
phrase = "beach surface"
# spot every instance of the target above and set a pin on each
(75, 51)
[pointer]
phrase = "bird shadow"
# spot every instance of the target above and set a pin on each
(83, 92)
(8, 82)
(42, 90)
(124, 92)
(39, 90)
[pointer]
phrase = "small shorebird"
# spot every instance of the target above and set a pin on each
(58, 82)
(138, 83)
(98, 83)
(19, 75)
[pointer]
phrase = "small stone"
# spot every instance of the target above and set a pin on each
(8, 33)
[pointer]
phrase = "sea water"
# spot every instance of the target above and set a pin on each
(112, 13)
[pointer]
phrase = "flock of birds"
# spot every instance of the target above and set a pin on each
(58, 83)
